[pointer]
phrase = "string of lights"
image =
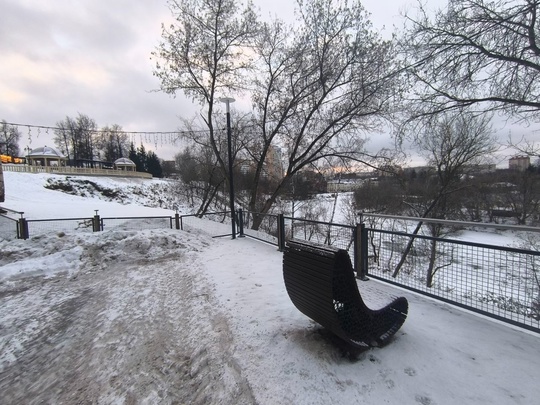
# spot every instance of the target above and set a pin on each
(155, 137)
(39, 127)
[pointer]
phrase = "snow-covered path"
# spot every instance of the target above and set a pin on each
(129, 326)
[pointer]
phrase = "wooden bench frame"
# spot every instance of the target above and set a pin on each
(321, 284)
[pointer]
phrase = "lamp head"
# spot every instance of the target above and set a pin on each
(227, 101)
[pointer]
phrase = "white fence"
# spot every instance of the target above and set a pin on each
(81, 171)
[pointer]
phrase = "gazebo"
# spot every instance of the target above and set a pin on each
(46, 156)
(125, 164)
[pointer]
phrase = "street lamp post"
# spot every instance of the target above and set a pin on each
(228, 101)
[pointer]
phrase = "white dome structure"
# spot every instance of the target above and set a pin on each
(125, 164)
(46, 156)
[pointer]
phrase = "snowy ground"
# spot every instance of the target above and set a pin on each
(171, 317)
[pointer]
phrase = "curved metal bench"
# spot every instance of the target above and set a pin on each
(321, 284)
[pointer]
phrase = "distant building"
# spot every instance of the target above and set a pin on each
(46, 156)
(273, 168)
(336, 186)
(125, 164)
(520, 163)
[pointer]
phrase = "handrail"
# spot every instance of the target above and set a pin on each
(13, 211)
(74, 170)
(456, 223)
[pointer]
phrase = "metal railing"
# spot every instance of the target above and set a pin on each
(23, 228)
(216, 224)
(43, 226)
(323, 233)
(9, 227)
(499, 281)
(268, 229)
(136, 223)
(81, 171)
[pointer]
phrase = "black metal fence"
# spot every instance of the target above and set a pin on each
(499, 281)
(214, 223)
(323, 233)
(495, 279)
(136, 223)
(43, 226)
(10, 227)
(22, 228)
(268, 229)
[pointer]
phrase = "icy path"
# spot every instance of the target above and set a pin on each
(127, 328)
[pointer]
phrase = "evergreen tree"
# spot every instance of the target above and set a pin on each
(153, 165)
(142, 159)
(134, 157)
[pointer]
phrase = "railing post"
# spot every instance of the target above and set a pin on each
(361, 252)
(177, 220)
(96, 222)
(281, 232)
(233, 224)
(22, 228)
(240, 214)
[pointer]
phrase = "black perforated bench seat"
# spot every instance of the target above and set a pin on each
(321, 284)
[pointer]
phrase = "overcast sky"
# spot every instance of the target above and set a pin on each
(64, 57)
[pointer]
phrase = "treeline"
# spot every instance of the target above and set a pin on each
(83, 142)
(500, 196)
(145, 161)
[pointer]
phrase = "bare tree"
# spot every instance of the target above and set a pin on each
(480, 54)
(521, 196)
(75, 137)
(9, 139)
(315, 88)
(320, 86)
(204, 54)
(112, 143)
(201, 176)
(452, 144)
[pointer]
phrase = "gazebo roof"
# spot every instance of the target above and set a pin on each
(46, 151)
(124, 162)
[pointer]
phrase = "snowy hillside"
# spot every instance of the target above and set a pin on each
(173, 317)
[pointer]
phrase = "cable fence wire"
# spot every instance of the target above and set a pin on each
(43, 226)
(8, 228)
(212, 223)
(137, 223)
(267, 230)
(500, 281)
